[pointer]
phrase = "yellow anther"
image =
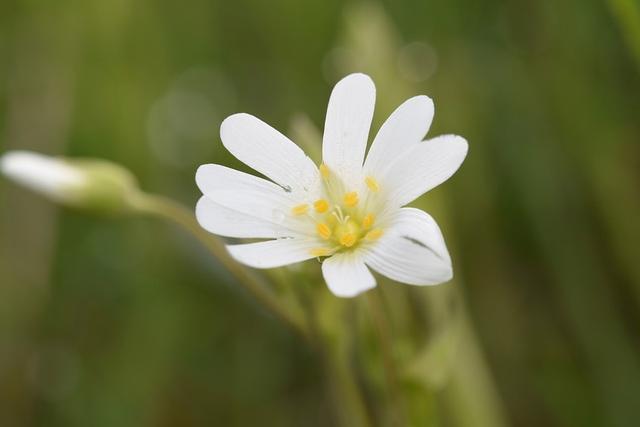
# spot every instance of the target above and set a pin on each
(348, 239)
(374, 234)
(351, 199)
(372, 184)
(324, 171)
(367, 221)
(321, 205)
(300, 209)
(318, 252)
(323, 230)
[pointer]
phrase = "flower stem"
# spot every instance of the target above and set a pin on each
(258, 288)
(627, 16)
(348, 399)
(391, 372)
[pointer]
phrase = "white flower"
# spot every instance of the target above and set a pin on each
(50, 176)
(348, 211)
(91, 184)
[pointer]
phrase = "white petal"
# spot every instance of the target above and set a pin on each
(347, 275)
(249, 195)
(423, 167)
(223, 221)
(273, 253)
(44, 174)
(412, 250)
(269, 152)
(346, 127)
(212, 178)
(406, 126)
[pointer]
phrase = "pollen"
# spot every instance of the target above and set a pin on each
(323, 230)
(324, 171)
(321, 205)
(348, 239)
(367, 221)
(372, 184)
(338, 219)
(351, 199)
(300, 209)
(374, 234)
(318, 252)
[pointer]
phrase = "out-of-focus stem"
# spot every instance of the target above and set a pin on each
(175, 212)
(471, 397)
(350, 406)
(627, 15)
(391, 372)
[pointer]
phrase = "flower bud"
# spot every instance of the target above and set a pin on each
(91, 184)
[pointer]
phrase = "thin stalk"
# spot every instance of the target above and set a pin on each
(175, 212)
(383, 331)
(627, 15)
(348, 400)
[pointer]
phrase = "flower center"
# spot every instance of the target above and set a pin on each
(343, 219)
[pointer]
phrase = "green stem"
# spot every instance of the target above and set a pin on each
(345, 390)
(175, 212)
(627, 15)
(351, 409)
(383, 331)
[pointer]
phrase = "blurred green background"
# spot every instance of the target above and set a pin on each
(129, 322)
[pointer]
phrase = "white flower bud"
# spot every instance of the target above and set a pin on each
(95, 185)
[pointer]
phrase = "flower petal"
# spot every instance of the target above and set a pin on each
(249, 195)
(347, 124)
(406, 126)
(223, 221)
(412, 250)
(47, 175)
(213, 179)
(269, 152)
(423, 167)
(347, 275)
(273, 253)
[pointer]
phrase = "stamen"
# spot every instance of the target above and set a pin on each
(338, 214)
(351, 199)
(374, 234)
(323, 230)
(348, 239)
(321, 205)
(324, 171)
(318, 252)
(372, 184)
(367, 221)
(300, 209)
